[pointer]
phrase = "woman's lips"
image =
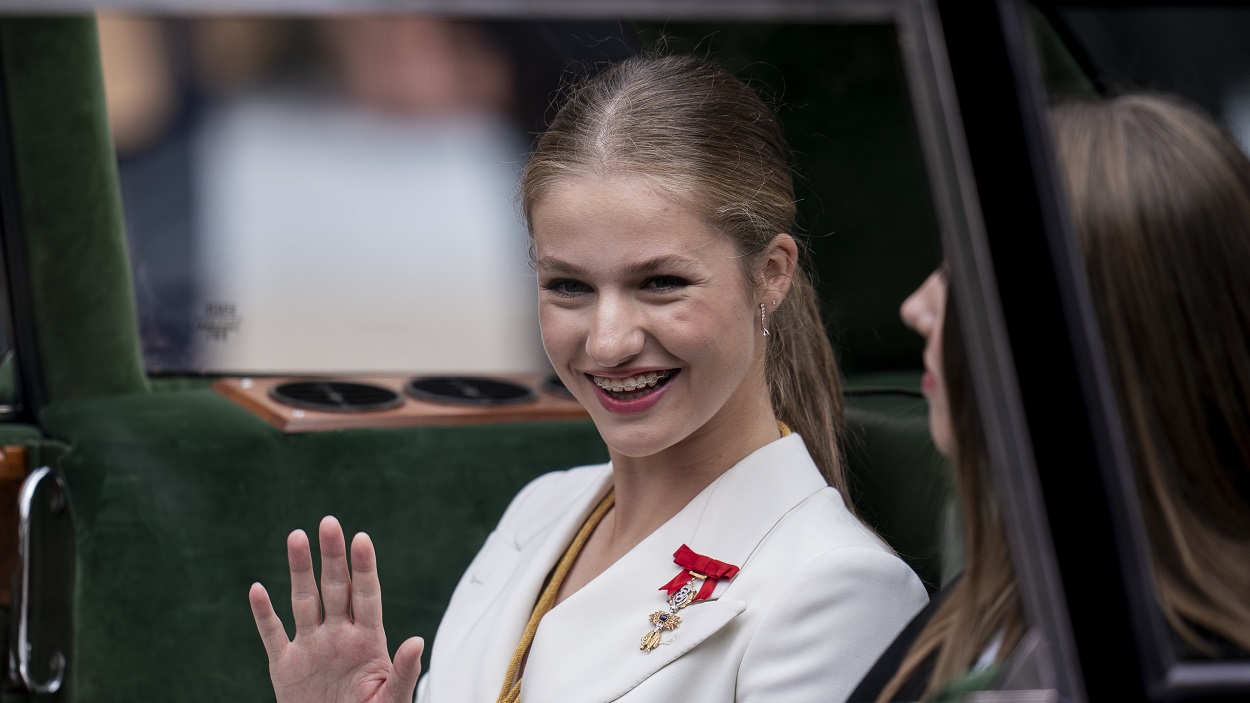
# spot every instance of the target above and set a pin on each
(635, 401)
(928, 383)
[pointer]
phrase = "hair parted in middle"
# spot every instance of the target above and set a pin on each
(706, 139)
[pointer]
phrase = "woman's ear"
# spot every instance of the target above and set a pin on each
(777, 265)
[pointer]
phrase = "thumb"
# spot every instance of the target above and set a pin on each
(406, 670)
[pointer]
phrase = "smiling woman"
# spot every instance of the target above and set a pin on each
(673, 306)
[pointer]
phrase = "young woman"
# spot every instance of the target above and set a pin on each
(714, 558)
(1160, 198)
(975, 621)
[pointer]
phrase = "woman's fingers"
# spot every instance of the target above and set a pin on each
(350, 594)
(336, 584)
(366, 590)
(305, 603)
(272, 634)
(406, 669)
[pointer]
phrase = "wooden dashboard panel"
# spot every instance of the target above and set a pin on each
(253, 394)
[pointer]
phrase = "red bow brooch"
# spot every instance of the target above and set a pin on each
(695, 582)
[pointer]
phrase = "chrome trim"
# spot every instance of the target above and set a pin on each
(25, 501)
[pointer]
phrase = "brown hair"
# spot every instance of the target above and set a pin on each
(706, 139)
(1160, 199)
(987, 588)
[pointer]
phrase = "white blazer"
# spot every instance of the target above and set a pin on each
(817, 599)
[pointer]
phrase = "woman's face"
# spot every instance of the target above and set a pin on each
(646, 316)
(923, 312)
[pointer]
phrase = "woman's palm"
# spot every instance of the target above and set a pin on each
(341, 657)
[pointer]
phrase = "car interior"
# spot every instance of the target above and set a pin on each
(149, 483)
(178, 490)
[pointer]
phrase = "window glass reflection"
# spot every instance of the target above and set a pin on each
(1159, 192)
(1160, 200)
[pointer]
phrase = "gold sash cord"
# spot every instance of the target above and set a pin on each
(511, 691)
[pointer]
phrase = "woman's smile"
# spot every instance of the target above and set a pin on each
(634, 393)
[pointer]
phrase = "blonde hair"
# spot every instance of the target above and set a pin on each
(706, 139)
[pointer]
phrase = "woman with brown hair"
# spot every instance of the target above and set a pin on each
(715, 557)
(1160, 200)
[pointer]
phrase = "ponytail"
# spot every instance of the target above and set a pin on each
(803, 379)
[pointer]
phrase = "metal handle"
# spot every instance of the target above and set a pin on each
(56, 664)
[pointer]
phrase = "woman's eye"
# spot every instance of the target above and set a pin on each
(565, 288)
(664, 284)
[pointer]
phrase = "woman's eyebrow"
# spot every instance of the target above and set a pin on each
(664, 262)
(554, 265)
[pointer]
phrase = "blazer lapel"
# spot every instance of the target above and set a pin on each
(587, 648)
(480, 659)
(750, 499)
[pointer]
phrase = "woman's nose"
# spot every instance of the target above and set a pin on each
(917, 310)
(616, 335)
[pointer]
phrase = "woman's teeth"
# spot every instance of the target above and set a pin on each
(641, 382)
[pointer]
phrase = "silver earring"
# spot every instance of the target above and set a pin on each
(763, 321)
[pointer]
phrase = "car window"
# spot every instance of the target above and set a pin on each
(1064, 464)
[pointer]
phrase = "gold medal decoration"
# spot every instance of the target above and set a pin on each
(665, 620)
(694, 582)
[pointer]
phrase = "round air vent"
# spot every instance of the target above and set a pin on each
(336, 396)
(468, 390)
(555, 386)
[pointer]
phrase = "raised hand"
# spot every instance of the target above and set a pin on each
(341, 658)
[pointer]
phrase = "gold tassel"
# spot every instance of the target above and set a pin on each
(650, 641)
